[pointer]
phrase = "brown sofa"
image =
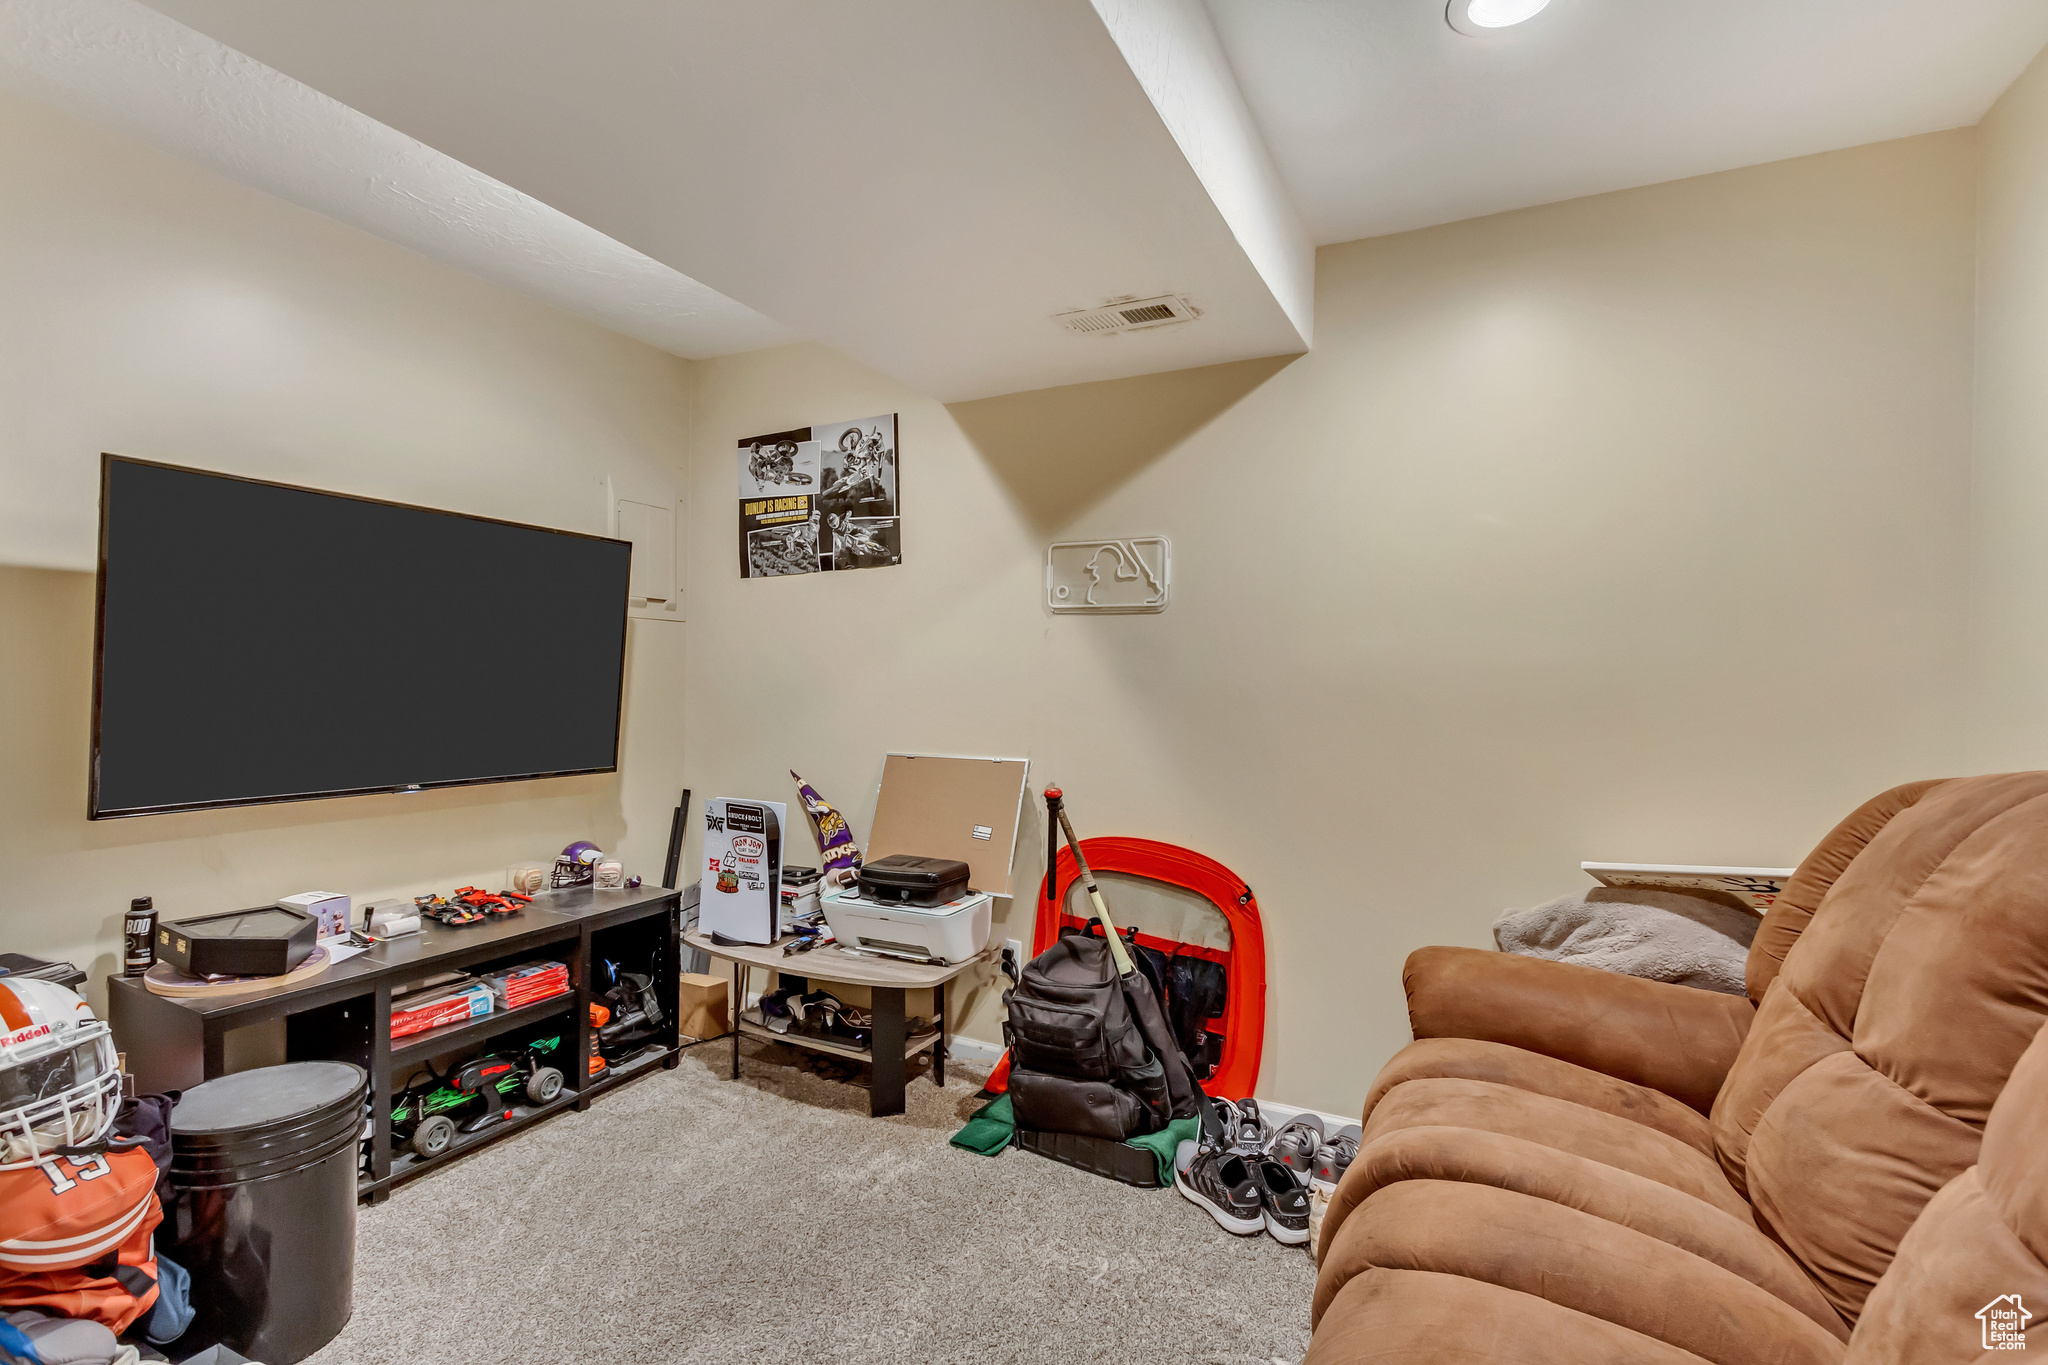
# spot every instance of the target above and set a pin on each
(1570, 1167)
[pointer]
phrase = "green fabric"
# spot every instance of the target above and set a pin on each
(1164, 1143)
(988, 1132)
(992, 1126)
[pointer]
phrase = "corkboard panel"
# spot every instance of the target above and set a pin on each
(930, 806)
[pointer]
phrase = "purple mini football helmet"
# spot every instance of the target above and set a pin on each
(576, 864)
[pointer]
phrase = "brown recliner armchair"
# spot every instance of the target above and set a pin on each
(1570, 1167)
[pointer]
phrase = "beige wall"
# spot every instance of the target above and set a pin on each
(1632, 527)
(157, 310)
(2009, 588)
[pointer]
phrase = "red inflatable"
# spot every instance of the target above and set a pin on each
(1242, 1024)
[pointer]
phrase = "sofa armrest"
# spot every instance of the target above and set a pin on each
(1676, 1039)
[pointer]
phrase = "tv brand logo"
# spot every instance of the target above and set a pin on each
(2005, 1321)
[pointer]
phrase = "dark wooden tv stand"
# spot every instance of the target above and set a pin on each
(344, 1013)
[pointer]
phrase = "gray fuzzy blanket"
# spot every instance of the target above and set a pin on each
(1662, 935)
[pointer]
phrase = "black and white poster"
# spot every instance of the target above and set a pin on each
(819, 499)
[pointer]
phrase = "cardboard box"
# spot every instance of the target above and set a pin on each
(700, 1004)
(331, 908)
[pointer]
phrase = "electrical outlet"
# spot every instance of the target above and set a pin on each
(1015, 948)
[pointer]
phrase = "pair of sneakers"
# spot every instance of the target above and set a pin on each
(1232, 1176)
(1314, 1158)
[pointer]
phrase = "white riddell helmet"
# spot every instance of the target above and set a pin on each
(60, 1081)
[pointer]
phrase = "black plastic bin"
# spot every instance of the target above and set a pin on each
(263, 1207)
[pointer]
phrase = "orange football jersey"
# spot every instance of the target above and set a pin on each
(75, 1237)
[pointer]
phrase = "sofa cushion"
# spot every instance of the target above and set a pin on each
(1979, 1242)
(1620, 1197)
(1576, 1260)
(1474, 1060)
(1842, 1165)
(1415, 1315)
(1610, 1140)
(1866, 1077)
(1793, 909)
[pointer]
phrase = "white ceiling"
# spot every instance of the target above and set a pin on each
(1381, 118)
(919, 183)
(124, 66)
(924, 183)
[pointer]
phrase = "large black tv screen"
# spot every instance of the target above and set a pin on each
(258, 642)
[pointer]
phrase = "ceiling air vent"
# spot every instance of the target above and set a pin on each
(1128, 315)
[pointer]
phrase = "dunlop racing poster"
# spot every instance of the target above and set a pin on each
(819, 499)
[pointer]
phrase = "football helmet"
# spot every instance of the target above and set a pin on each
(575, 865)
(60, 1080)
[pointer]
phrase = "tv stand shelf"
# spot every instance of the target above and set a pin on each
(448, 1037)
(344, 1013)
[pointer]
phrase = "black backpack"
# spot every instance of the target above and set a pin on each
(1090, 1053)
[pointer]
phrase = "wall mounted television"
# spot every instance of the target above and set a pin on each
(260, 642)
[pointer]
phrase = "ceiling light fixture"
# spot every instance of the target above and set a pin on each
(1475, 17)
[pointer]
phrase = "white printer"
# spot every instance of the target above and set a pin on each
(952, 932)
(936, 809)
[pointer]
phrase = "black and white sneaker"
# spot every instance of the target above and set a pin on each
(1253, 1134)
(1283, 1203)
(1224, 1184)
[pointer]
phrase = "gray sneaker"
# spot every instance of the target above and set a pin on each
(1334, 1157)
(1294, 1146)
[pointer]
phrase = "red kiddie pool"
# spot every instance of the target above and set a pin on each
(1242, 1025)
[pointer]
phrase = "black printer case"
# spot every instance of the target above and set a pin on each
(906, 879)
(199, 947)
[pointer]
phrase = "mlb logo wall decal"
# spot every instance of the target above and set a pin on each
(2005, 1323)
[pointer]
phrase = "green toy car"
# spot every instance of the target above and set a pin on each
(421, 1119)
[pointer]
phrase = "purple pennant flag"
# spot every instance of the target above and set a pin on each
(836, 848)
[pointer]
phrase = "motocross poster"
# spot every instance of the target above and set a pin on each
(819, 499)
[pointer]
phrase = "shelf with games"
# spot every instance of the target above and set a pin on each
(449, 1037)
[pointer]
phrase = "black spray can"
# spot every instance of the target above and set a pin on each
(139, 955)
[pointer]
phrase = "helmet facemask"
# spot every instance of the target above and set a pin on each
(60, 1090)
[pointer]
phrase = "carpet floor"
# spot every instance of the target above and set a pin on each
(687, 1218)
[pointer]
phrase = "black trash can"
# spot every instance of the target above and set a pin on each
(263, 1207)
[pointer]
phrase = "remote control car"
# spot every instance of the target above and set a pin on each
(451, 913)
(421, 1116)
(476, 898)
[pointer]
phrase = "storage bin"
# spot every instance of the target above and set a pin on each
(263, 1207)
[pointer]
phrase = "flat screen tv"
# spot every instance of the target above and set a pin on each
(259, 642)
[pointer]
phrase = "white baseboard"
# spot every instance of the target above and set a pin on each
(961, 1048)
(1277, 1113)
(985, 1054)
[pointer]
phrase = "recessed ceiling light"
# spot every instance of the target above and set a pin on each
(1474, 17)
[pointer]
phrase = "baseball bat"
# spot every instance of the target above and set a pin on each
(1056, 803)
